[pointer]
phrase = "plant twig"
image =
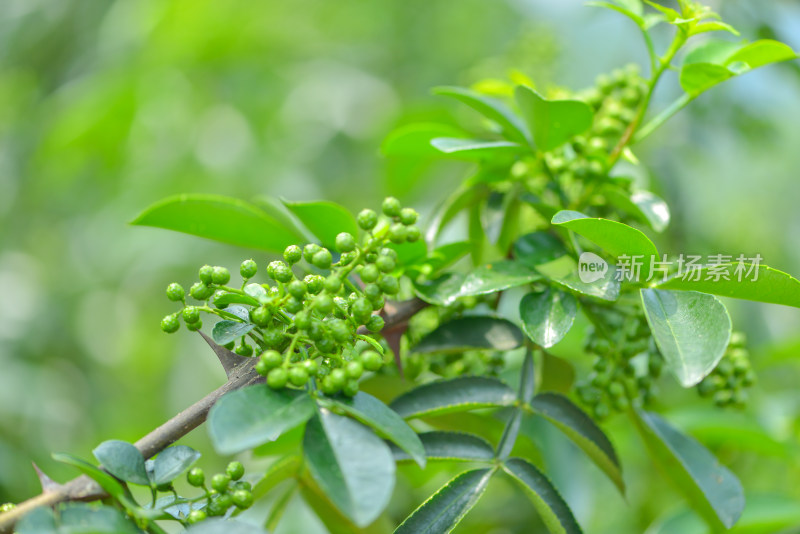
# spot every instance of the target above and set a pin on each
(84, 488)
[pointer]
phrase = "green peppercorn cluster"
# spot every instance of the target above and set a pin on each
(614, 98)
(7, 507)
(729, 381)
(227, 490)
(625, 366)
(305, 327)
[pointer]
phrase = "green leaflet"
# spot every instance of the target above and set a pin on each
(443, 511)
(691, 330)
(351, 464)
(458, 394)
(763, 284)
(414, 140)
(709, 487)
(473, 332)
(172, 462)
(254, 415)
(547, 316)
(552, 508)
(122, 460)
(552, 122)
(474, 149)
(385, 421)
(325, 220)
(582, 430)
(219, 218)
(450, 446)
(512, 126)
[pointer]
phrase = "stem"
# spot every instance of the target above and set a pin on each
(662, 117)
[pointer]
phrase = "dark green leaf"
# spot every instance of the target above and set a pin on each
(614, 237)
(556, 374)
(691, 330)
(235, 298)
(455, 446)
(325, 220)
(474, 149)
(226, 331)
(446, 255)
(250, 416)
(110, 484)
(474, 332)
(461, 199)
(547, 316)
(385, 421)
(709, 487)
(122, 460)
(564, 272)
(512, 126)
(538, 248)
(643, 205)
(553, 122)
(552, 508)
(38, 521)
(495, 277)
(415, 139)
(85, 519)
(172, 462)
(224, 526)
(744, 281)
(580, 428)
(442, 512)
(442, 291)
(219, 218)
(351, 464)
(455, 395)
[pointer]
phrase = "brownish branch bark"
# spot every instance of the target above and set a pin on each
(85, 489)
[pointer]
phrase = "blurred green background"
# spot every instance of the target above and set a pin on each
(107, 106)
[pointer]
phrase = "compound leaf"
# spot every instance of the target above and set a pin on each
(454, 395)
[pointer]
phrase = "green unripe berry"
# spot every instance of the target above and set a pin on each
(723, 397)
(220, 298)
(361, 310)
(322, 259)
(235, 470)
(191, 314)
(219, 504)
(326, 345)
(195, 326)
(219, 482)
(333, 284)
(339, 330)
(309, 251)
(201, 291)
(175, 292)
(338, 378)
(385, 264)
(220, 275)
(620, 403)
(408, 216)
(345, 242)
(377, 304)
(738, 339)
(261, 368)
(206, 274)
(367, 219)
(601, 411)
(277, 378)
(369, 273)
(277, 270)
(375, 323)
(316, 330)
(413, 234)
(292, 254)
(196, 516)
(298, 376)
(248, 269)
(272, 358)
(196, 477)
(370, 257)
(328, 386)
(311, 367)
(242, 499)
(601, 381)
(261, 316)
(302, 320)
(706, 388)
(350, 388)
(314, 283)
(347, 258)
(244, 350)
(389, 285)
(170, 324)
(371, 360)
(616, 389)
(241, 485)
(372, 291)
(354, 369)
(297, 289)
(293, 305)
(397, 233)
(323, 304)
(391, 207)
